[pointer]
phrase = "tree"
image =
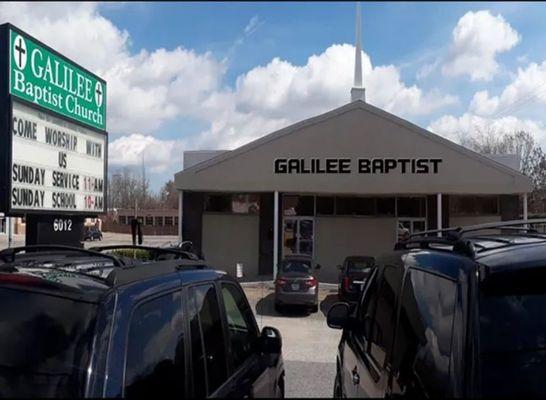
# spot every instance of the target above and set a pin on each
(168, 196)
(533, 159)
(127, 187)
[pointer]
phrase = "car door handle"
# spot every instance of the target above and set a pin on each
(356, 377)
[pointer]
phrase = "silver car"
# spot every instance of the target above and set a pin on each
(296, 284)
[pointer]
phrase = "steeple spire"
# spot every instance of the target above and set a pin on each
(358, 92)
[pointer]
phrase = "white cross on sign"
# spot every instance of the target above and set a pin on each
(98, 94)
(20, 52)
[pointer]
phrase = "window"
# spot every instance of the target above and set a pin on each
(241, 325)
(140, 220)
(218, 203)
(382, 328)
(122, 219)
(422, 346)
(245, 203)
(158, 221)
(474, 205)
(412, 207)
(168, 221)
(208, 353)
(45, 349)
(355, 205)
(155, 350)
(176, 221)
(149, 220)
(367, 304)
(386, 206)
(512, 326)
(325, 205)
(236, 203)
(298, 205)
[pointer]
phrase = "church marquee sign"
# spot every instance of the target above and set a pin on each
(53, 139)
(42, 77)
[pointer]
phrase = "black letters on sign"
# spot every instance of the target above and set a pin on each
(364, 165)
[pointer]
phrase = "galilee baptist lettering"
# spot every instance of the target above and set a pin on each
(359, 166)
(42, 77)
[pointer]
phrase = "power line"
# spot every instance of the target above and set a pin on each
(511, 108)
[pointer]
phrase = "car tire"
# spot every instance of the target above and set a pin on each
(338, 392)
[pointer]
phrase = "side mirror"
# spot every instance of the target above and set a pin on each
(338, 316)
(317, 266)
(271, 340)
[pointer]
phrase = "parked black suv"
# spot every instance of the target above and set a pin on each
(456, 316)
(88, 323)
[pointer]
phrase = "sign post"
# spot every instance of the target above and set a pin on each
(53, 140)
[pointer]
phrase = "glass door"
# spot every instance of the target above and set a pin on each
(298, 236)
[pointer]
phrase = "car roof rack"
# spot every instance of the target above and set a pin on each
(120, 272)
(9, 255)
(456, 236)
(157, 250)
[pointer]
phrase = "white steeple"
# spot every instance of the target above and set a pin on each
(358, 92)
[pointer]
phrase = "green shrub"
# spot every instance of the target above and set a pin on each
(139, 254)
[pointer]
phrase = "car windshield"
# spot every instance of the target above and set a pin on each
(44, 344)
(360, 264)
(513, 334)
(296, 266)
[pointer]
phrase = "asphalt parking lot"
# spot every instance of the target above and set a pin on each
(309, 346)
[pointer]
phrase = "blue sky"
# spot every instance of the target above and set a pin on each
(184, 76)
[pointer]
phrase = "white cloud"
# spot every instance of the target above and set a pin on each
(149, 87)
(526, 92)
(272, 96)
(482, 104)
(159, 155)
(477, 39)
(468, 124)
(145, 89)
(252, 25)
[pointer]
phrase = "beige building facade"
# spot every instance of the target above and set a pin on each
(343, 183)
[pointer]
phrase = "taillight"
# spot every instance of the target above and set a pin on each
(346, 283)
(23, 280)
(311, 282)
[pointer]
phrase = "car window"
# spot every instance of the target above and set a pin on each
(359, 265)
(45, 344)
(384, 316)
(155, 350)
(421, 355)
(295, 266)
(368, 301)
(208, 345)
(512, 322)
(241, 325)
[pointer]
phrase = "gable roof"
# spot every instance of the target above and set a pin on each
(524, 181)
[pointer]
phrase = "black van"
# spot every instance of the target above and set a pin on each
(84, 323)
(458, 316)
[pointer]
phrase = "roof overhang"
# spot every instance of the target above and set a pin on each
(354, 132)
